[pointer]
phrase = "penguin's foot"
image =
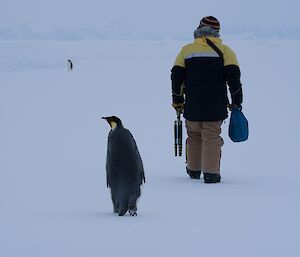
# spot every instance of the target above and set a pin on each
(132, 208)
(132, 212)
(122, 212)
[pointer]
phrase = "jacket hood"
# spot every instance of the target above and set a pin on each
(206, 31)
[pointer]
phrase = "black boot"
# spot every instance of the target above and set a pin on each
(193, 174)
(211, 178)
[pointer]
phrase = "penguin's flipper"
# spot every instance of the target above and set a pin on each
(108, 168)
(107, 180)
(143, 176)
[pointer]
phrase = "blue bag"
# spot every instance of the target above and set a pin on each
(238, 126)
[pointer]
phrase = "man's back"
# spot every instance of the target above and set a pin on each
(204, 72)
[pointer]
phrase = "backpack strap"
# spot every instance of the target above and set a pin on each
(213, 46)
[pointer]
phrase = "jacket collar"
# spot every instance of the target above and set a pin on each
(202, 40)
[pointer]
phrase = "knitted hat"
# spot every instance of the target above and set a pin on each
(211, 22)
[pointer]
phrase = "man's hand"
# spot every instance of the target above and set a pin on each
(178, 107)
(231, 106)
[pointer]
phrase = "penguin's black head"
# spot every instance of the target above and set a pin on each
(113, 121)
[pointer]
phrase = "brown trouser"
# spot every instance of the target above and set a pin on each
(203, 146)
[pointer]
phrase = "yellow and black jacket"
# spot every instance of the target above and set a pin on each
(200, 77)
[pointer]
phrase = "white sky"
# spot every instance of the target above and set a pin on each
(152, 16)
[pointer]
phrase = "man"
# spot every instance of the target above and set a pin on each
(200, 76)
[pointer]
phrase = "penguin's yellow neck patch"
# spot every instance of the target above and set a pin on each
(113, 124)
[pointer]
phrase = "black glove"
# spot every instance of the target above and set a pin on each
(232, 106)
(237, 99)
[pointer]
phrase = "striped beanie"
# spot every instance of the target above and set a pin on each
(210, 21)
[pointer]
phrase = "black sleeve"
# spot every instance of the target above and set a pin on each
(177, 77)
(232, 76)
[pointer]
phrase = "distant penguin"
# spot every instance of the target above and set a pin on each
(124, 168)
(70, 65)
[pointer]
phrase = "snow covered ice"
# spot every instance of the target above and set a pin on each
(53, 195)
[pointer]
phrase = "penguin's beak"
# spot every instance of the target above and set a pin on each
(105, 118)
(108, 121)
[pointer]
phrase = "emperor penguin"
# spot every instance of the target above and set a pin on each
(124, 168)
(70, 65)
